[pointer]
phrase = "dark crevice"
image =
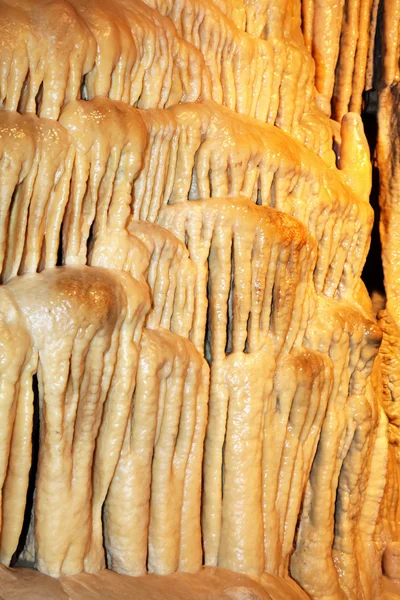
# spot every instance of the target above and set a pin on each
(208, 333)
(24, 94)
(39, 98)
(83, 91)
(271, 314)
(372, 274)
(90, 239)
(229, 315)
(60, 250)
(247, 344)
(32, 474)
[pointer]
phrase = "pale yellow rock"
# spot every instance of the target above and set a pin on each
(340, 34)
(154, 256)
(18, 363)
(214, 584)
(385, 78)
(152, 512)
(391, 561)
(352, 344)
(109, 140)
(58, 51)
(205, 359)
(199, 151)
(85, 324)
(127, 53)
(266, 253)
(35, 172)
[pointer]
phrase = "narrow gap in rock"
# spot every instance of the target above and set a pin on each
(84, 93)
(372, 274)
(60, 250)
(32, 478)
(208, 332)
(229, 316)
(24, 93)
(39, 98)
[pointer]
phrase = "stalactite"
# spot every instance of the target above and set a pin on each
(85, 353)
(352, 345)
(152, 512)
(19, 361)
(105, 166)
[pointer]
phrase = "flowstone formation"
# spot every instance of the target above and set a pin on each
(388, 159)
(187, 348)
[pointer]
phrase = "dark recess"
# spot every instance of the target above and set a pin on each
(372, 274)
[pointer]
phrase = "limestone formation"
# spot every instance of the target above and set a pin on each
(182, 236)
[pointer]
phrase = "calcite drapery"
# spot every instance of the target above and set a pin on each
(85, 324)
(204, 354)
